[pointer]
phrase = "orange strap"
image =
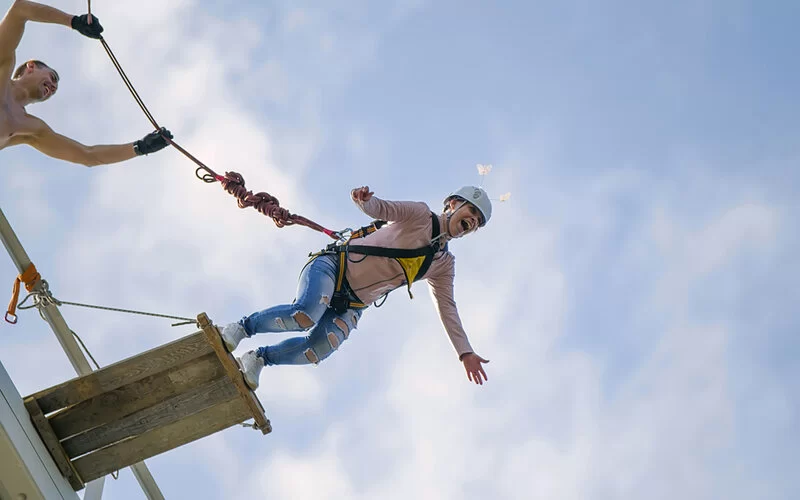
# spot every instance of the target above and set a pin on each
(30, 277)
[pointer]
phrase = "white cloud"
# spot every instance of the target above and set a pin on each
(308, 477)
(577, 405)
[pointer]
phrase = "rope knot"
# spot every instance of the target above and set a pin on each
(233, 183)
(269, 206)
(265, 203)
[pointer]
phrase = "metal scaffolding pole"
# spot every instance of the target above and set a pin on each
(65, 337)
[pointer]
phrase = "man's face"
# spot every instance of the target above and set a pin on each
(466, 218)
(41, 80)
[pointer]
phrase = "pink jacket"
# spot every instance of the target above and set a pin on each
(410, 227)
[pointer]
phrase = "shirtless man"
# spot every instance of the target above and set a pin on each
(34, 81)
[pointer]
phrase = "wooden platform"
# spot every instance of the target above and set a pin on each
(143, 406)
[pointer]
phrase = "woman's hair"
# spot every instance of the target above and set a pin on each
(39, 64)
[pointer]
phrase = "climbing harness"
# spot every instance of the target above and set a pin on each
(415, 262)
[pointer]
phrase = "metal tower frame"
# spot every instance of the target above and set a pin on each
(51, 313)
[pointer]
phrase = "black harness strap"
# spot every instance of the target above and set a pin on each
(396, 253)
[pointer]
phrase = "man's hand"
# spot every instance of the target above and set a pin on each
(361, 194)
(152, 142)
(472, 363)
(92, 28)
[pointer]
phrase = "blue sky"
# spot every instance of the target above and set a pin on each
(636, 296)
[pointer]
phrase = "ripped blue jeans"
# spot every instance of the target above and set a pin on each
(326, 329)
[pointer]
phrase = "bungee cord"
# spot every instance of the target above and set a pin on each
(232, 182)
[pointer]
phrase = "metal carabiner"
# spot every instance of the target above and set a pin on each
(344, 235)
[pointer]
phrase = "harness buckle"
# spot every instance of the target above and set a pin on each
(344, 235)
(340, 302)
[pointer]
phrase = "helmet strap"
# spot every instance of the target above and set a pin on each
(449, 213)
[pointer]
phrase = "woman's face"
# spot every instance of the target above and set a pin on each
(465, 218)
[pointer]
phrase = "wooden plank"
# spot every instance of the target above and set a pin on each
(230, 365)
(123, 372)
(53, 446)
(116, 404)
(166, 412)
(156, 441)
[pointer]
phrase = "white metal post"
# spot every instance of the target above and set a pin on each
(94, 489)
(65, 337)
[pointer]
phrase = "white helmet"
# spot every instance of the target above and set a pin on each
(477, 196)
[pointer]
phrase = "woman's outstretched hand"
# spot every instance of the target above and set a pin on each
(472, 364)
(361, 194)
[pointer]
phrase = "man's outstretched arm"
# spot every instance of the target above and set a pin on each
(13, 24)
(61, 147)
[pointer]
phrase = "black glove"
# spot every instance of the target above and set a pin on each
(81, 24)
(152, 142)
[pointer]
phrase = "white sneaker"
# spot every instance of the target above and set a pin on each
(251, 366)
(232, 334)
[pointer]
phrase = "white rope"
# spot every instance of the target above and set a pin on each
(252, 426)
(43, 297)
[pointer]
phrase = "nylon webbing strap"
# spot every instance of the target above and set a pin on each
(30, 277)
(366, 230)
(396, 253)
(340, 277)
(340, 281)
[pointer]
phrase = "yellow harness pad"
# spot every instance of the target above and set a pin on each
(411, 266)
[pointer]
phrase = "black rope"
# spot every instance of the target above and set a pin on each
(210, 176)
